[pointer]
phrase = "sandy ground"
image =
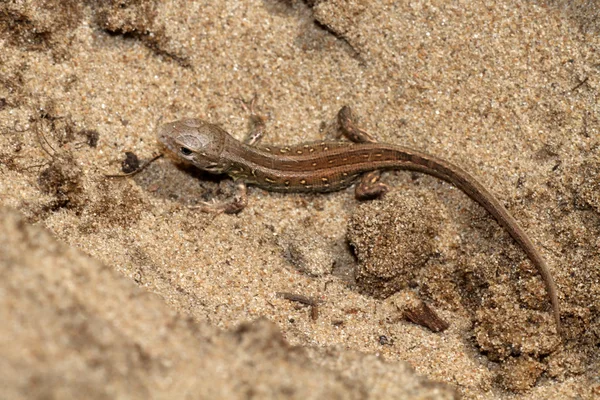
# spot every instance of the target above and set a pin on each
(116, 288)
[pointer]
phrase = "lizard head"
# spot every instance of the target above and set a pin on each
(195, 142)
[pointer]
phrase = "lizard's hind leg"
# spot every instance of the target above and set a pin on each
(370, 187)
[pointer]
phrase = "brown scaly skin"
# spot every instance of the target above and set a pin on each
(327, 167)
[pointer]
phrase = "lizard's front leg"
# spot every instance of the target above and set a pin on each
(369, 186)
(239, 201)
(257, 129)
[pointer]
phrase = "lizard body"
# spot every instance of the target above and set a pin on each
(331, 166)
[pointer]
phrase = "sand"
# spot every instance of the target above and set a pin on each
(116, 288)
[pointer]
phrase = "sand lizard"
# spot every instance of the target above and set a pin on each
(326, 167)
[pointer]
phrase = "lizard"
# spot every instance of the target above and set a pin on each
(325, 167)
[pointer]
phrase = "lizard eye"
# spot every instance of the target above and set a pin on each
(185, 151)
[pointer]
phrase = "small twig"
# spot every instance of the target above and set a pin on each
(39, 135)
(580, 84)
(314, 305)
(142, 167)
(422, 314)
(297, 298)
